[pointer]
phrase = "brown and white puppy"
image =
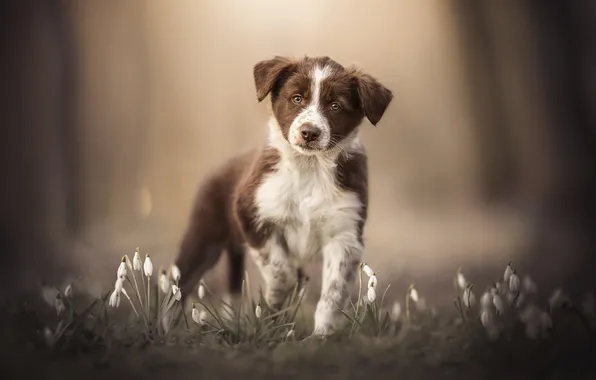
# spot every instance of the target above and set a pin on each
(302, 195)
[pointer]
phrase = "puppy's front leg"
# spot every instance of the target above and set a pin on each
(341, 257)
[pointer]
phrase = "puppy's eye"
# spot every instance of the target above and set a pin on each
(335, 107)
(297, 99)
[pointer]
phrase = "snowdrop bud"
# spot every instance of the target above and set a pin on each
(201, 290)
(176, 292)
(372, 281)
(136, 260)
(461, 280)
(119, 285)
(68, 291)
(372, 295)
(486, 301)
(499, 303)
(486, 319)
(176, 274)
(122, 268)
(164, 282)
(59, 305)
(290, 334)
(148, 266)
(114, 299)
(514, 282)
(587, 306)
(557, 299)
(469, 298)
(414, 294)
(196, 317)
(529, 285)
(258, 310)
(48, 336)
(367, 270)
(508, 273)
(395, 311)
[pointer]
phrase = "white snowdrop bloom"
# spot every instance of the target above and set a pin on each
(114, 299)
(367, 269)
(164, 282)
(290, 334)
(201, 290)
(514, 282)
(486, 318)
(557, 299)
(136, 261)
(196, 315)
(469, 298)
(118, 285)
(121, 268)
(176, 274)
(486, 301)
(68, 291)
(258, 310)
(587, 305)
(372, 281)
(499, 303)
(395, 311)
(528, 285)
(59, 305)
(48, 336)
(461, 280)
(176, 292)
(414, 294)
(508, 273)
(372, 294)
(148, 266)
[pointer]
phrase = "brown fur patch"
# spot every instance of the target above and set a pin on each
(352, 175)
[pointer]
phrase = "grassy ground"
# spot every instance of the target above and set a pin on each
(101, 341)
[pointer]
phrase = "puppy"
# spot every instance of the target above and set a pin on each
(302, 195)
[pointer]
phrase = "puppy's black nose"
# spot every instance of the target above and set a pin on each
(309, 132)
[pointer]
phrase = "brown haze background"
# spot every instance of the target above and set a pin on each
(113, 111)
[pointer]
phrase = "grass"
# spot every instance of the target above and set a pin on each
(140, 320)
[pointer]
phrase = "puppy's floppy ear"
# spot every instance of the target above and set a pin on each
(267, 72)
(374, 97)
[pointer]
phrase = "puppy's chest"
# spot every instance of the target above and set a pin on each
(307, 206)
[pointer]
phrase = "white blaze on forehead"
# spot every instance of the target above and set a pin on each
(312, 113)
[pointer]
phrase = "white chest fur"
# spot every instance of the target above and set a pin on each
(303, 199)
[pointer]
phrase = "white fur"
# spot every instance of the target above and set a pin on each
(318, 218)
(312, 114)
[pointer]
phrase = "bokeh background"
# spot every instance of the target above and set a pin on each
(112, 112)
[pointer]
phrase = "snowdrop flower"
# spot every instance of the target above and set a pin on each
(514, 282)
(372, 295)
(469, 298)
(136, 261)
(461, 280)
(290, 334)
(197, 316)
(486, 318)
(258, 310)
(59, 305)
(176, 292)
(529, 285)
(367, 269)
(68, 291)
(486, 301)
(502, 287)
(119, 285)
(201, 290)
(395, 311)
(508, 273)
(176, 274)
(587, 306)
(557, 299)
(493, 290)
(372, 281)
(499, 303)
(48, 336)
(122, 268)
(164, 282)
(148, 266)
(114, 299)
(414, 294)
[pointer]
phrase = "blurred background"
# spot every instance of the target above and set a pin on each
(113, 111)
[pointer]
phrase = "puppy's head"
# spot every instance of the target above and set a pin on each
(317, 102)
